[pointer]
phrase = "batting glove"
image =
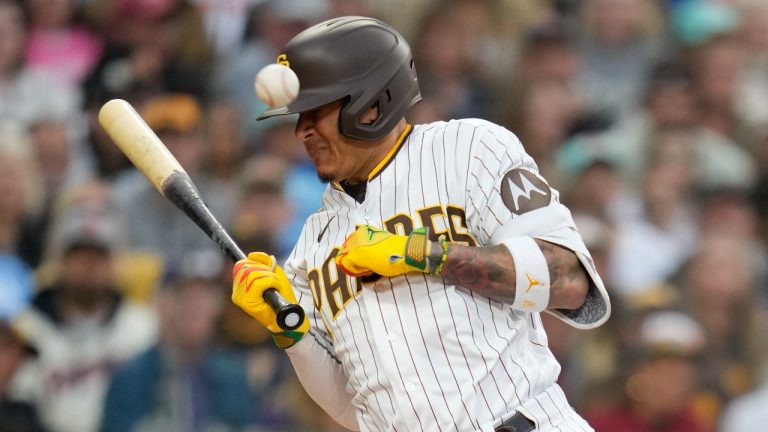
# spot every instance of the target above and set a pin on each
(371, 250)
(254, 275)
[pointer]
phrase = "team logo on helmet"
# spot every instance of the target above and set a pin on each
(522, 191)
(283, 60)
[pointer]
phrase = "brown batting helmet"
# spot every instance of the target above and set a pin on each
(362, 61)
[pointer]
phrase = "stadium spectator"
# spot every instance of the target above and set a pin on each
(15, 415)
(657, 391)
(719, 290)
(20, 87)
(450, 80)
(669, 105)
(81, 325)
(658, 238)
(618, 43)
(17, 201)
(262, 213)
(59, 45)
(719, 67)
(188, 381)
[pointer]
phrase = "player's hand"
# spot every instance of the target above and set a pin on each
(254, 275)
(370, 250)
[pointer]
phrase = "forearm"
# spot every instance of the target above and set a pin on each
(490, 271)
(323, 380)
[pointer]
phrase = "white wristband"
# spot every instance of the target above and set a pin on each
(532, 288)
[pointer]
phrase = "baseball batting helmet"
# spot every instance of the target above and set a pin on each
(361, 60)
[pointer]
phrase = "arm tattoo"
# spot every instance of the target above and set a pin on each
(490, 271)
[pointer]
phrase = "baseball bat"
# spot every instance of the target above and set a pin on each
(145, 150)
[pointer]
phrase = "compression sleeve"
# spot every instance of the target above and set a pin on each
(323, 379)
(312, 357)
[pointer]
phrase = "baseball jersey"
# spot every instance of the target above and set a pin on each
(412, 353)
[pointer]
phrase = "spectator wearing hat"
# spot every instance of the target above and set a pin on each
(15, 415)
(151, 223)
(188, 381)
(81, 325)
(659, 383)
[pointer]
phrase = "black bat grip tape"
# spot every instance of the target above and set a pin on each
(180, 190)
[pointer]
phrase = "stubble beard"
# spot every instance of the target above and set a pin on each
(324, 178)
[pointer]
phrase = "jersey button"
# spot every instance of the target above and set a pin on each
(409, 387)
(391, 336)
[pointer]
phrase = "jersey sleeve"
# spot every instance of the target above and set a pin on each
(507, 197)
(313, 359)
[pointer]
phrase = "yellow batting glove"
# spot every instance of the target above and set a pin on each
(371, 250)
(254, 275)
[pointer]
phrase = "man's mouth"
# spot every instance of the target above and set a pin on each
(315, 150)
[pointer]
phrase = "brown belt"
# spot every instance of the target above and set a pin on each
(517, 423)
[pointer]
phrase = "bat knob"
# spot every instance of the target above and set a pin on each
(289, 315)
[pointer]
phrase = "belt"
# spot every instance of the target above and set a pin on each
(517, 423)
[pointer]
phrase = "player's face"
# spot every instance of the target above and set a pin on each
(335, 156)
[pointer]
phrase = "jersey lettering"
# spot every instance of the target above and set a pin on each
(399, 224)
(428, 216)
(457, 225)
(336, 286)
(331, 287)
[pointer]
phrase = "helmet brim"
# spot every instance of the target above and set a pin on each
(308, 100)
(274, 112)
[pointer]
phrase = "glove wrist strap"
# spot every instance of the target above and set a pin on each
(287, 339)
(417, 249)
(425, 255)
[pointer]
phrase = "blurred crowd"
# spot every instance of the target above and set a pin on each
(649, 116)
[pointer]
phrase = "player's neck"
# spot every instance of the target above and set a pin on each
(379, 151)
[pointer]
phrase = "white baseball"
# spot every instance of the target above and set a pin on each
(276, 85)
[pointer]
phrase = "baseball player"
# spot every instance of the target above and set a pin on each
(437, 247)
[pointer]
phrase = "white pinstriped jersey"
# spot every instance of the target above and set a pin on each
(418, 354)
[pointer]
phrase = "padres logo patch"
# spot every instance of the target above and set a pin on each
(523, 190)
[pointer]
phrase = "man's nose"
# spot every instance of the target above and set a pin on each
(304, 127)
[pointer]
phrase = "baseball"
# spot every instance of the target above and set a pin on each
(276, 85)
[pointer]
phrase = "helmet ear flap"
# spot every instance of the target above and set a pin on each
(393, 100)
(351, 124)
